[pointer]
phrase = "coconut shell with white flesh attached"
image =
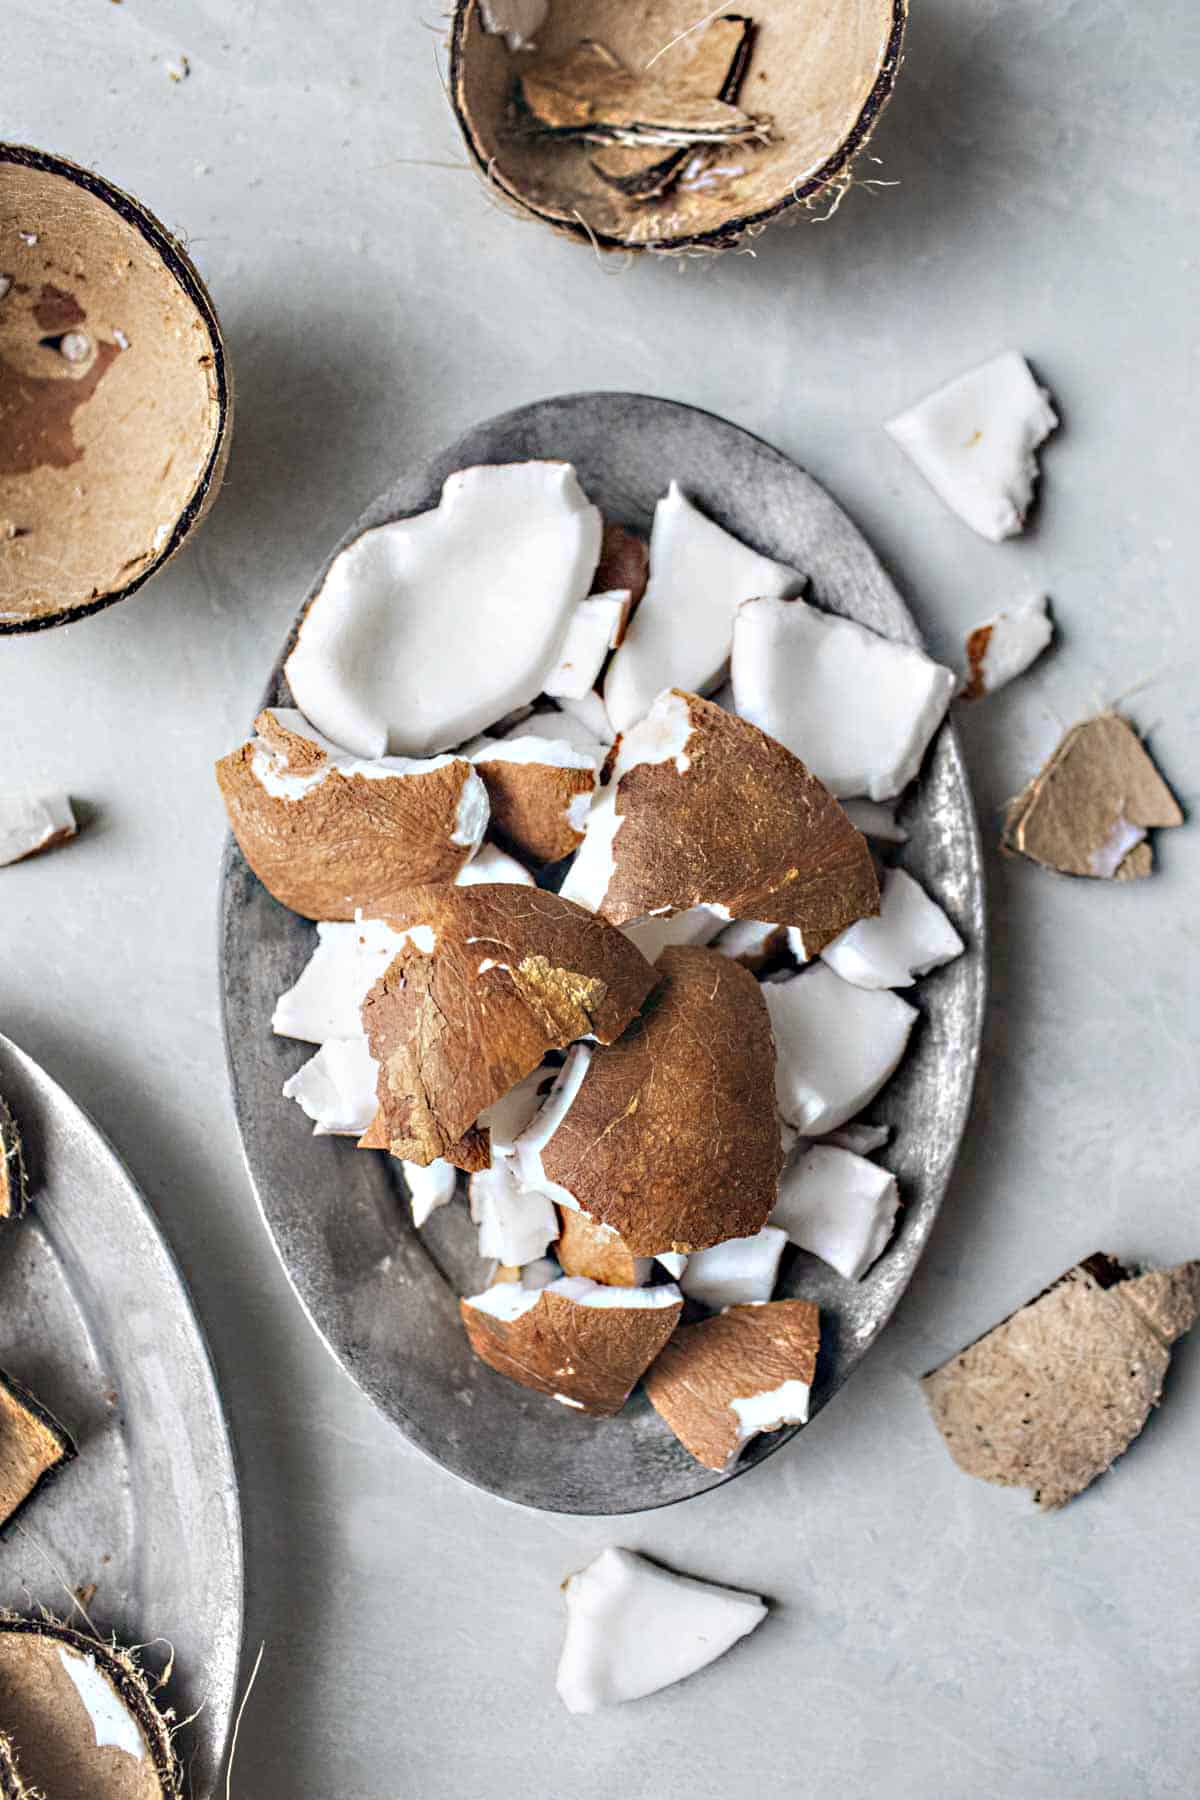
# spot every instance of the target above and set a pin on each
(836, 1045)
(839, 1206)
(33, 1448)
(115, 392)
(703, 809)
(750, 1369)
(540, 791)
(1004, 647)
(599, 1252)
(82, 1716)
(14, 1177)
(427, 630)
(698, 925)
(582, 1343)
(910, 936)
(489, 980)
(31, 823)
(670, 1137)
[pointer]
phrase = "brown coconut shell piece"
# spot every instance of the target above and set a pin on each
(1052, 1396)
(823, 86)
(33, 1448)
(592, 1355)
(744, 1350)
(744, 826)
(45, 1716)
(14, 1178)
(585, 1248)
(350, 841)
(1099, 779)
(624, 563)
(587, 93)
(116, 399)
(529, 804)
(672, 1138)
(515, 972)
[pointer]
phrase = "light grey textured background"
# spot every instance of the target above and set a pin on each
(933, 1637)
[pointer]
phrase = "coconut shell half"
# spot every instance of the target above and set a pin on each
(33, 1448)
(820, 70)
(115, 395)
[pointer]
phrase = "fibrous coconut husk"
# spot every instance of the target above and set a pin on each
(33, 1448)
(591, 1356)
(1088, 810)
(14, 1179)
(1052, 1396)
(12, 1786)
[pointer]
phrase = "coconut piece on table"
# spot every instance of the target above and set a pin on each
(974, 440)
(326, 1000)
(583, 1344)
(327, 833)
(682, 631)
(839, 1206)
(722, 1381)
(14, 1177)
(703, 809)
(336, 1088)
(859, 1137)
(835, 1044)
(515, 1224)
(875, 820)
(426, 630)
(624, 564)
(516, 21)
(599, 1252)
(1088, 810)
(597, 626)
(1004, 647)
(910, 936)
(585, 93)
(33, 1448)
(670, 1137)
(429, 1188)
(633, 1628)
(859, 709)
(752, 942)
(739, 1271)
(698, 925)
(490, 979)
(83, 1716)
(1052, 1396)
(540, 793)
(30, 823)
(489, 864)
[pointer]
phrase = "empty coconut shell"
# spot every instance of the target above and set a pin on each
(33, 1448)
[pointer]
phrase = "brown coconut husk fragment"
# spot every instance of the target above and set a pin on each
(33, 1448)
(587, 93)
(1098, 791)
(590, 1355)
(529, 802)
(624, 564)
(585, 1248)
(14, 1178)
(1052, 1396)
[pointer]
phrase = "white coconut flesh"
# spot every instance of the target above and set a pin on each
(591, 715)
(673, 1261)
(1005, 646)
(835, 1046)
(338, 1087)
(537, 1134)
(516, 21)
(509, 1299)
(975, 440)
(839, 1206)
(489, 864)
(505, 1119)
(349, 959)
(698, 925)
(738, 1272)
(633, 1628)
(430, 1186)
(681, 633)
(596, 627)
(565, 728)
(875, 820)
(111, 1719)
(909, 936)
(856, 708)
(749, 939)
(427, 630)
(33, 822)
(515, 1224)
(786, 1404)
(861, 1138)
(1107, 858)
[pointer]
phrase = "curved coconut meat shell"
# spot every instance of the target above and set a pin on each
(672, 1138)
(743, 826)
(592, 1355)
(514, 972)
(530, 802)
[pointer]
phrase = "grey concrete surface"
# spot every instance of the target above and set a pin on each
(932, 1637)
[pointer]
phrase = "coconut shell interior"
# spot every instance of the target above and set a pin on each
(114, 398)
(820, 70)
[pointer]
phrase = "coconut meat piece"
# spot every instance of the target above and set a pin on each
(597, 626)
(326, 1001)
(875, 820)
(739, 1271)
(567, 726)
(858, 709)
(682, 631)
(426, 630)
(530, 1143)
(839, 1206)
(859, 1137)
(698, 925)
(33, 822)
(540, 793)
(508, 1117)
(1003, 648)
(633, 1628)
(336, 1088)
(910, 936)
(974, 442)
(672, 1262)
(489, 864)
(752, 941)
(429, 1188)
(515, 1224)
(836, 1045)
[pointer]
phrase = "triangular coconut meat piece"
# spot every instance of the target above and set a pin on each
(1088, 811)
(327, 999)
(741, 1271)
(14, 1178)
(838, 1206)
(597, 626)
(670, 1136)
(703, 809)
(516, 1226)
(683, 629)
(599, 1252)
(33, 1448)
(491, 978)
(750, 1369)
(633, 1628)
(835, 1046)
(586, 93)
(427, 630)
(911, 936)
(1052, 1396)
(336, 1088)
(1004, 647)
(429, 1188)
(328, 834)
(30, 823)
(858, 709)
(583, 1344)
(82, 1715)
(540, 791)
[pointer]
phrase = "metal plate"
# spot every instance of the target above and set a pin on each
(95, 1319)
(383, 1296)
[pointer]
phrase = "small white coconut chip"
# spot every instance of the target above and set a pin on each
(875, 820)
(489, 864)
(856, 708)
(1004, 647)
(431, 628)
(752, 941)
(673, 1261)
(33, 822)
(698, 925)
(681, 633)
(597, 626)
(336, 1088)
(508, 1117)
(516, 21)
(590, 713)
(910, 936)
(349, 959)
(861, 1138)
(741, 1271)
(839, 1206)
(429, 1187)
(545, 1122)
(974, 442)
(835, 1046)
(515, 1224)
(633, 1628)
